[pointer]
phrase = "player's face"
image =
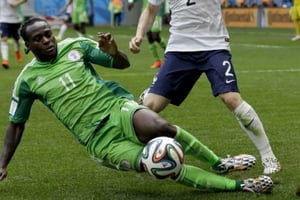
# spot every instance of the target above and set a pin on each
(41, 41)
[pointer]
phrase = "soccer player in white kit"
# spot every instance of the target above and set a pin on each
(10, 22)
(199, 43)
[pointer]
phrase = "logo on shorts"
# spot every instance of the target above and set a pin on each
(229, 81)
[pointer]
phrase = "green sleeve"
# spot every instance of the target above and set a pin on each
(21, 103)
(95, 55)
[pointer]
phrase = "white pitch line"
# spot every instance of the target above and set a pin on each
(270, 70)
(259, 46)
(239, 72)
(128, 74)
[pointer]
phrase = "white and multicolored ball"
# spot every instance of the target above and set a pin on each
(163, 157)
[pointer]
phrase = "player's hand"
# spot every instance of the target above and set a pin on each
(107, 43)
(3, 173)
(135, 44)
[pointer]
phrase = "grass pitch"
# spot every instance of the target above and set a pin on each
(50, 164)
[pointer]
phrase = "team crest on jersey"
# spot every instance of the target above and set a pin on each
(40, 80)
(74, 55)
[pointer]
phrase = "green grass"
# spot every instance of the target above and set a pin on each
(50, 164)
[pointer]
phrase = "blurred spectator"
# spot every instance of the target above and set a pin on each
(116, 9)
(285, 3)
(80, 15)
(267, 3)
(224, 3)
(256, 3)
(10, 22)
(252, 3)
(236, 3)
(231, 3)
(240, 3)
(295, 15)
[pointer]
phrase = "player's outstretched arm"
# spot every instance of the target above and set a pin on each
(12, 139)
(108, 45)
(145, 22)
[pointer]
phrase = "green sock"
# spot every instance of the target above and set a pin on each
(198, 178)
(162, 43)
(192, 146)
(153, 51)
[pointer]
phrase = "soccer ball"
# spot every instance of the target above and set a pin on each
(163, 157)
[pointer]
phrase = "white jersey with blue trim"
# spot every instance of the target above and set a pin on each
(9, 14)
(196, 25)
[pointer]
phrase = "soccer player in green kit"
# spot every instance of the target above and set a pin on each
(153, 35)
(101, 114)
(80, 15)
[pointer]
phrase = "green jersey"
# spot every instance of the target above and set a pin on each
(80, 5)
(70, 87)
(80, 12)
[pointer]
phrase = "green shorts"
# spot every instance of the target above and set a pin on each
(79, 16)
(115, 145)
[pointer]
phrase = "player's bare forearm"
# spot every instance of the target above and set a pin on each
(120, 60)
(11, 141)
(145, 22)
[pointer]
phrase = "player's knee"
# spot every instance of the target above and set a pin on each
(231, 99)
(151, 105)
(154, 103)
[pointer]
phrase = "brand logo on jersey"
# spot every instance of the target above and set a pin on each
(74, 55)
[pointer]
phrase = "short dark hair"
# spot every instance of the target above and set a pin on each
(28, 22)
